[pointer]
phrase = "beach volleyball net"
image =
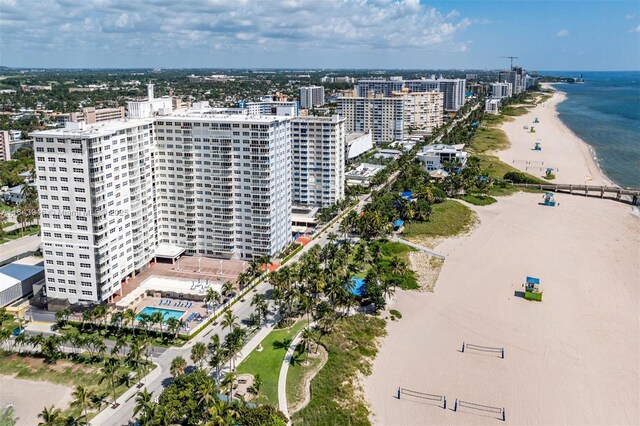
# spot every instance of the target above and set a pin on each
(434, 398)
(487, 349)
(499, 412)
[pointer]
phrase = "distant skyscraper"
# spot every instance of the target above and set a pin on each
(452, 88)
(511, 77)
(311, 96)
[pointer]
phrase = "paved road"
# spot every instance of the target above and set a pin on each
(19, 246)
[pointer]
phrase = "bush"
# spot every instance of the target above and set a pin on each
(395, 313)
(479, 200)
(519, 177)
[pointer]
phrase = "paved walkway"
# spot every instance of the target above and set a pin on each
(282, 379)
(418, 247)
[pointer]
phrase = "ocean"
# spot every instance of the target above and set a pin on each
(605, 113)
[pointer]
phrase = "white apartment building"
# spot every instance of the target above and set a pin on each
(95, 187)
(492, 106)
(223, 183)
(453, 89)
(311, 96)
(434, 157)
(501, 90)
(318, 160)
(383, 117)
(421, 110)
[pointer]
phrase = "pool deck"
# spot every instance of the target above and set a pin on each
(153, 302)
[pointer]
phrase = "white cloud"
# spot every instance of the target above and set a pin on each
(562, 33)
(635, 30)
(629, 16)
(166, 25)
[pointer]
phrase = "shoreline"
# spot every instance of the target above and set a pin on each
(592, 154)
(572, 158)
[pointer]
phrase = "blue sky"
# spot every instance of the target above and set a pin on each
(545, 35)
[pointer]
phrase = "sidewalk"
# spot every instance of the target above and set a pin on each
(282, 379)
(104, 415)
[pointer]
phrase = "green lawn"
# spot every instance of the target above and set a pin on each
(267, 362)
(335, 398)
(64, 372)
(8, 224)
(447, 219)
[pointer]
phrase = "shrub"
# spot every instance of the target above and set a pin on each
(519, 177)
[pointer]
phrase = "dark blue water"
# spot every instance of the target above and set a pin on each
(605, 113)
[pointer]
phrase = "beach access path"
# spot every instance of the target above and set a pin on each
(573, 358)
(562, 150)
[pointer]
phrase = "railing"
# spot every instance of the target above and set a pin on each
(586, 189)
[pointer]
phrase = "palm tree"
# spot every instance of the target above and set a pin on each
(229, 380)
(228, 320)
(116, 319)
(173, 325)
(216, 355)
(110, 373)
(198, 353)
(129, 317)
(51, 416)
(82, 398)
(212, 297)
(156, 318)
(207, 394)
(226, 288)
(3, 219)
(178, 364)
(307, 336)
(144, 404)
(257, 384)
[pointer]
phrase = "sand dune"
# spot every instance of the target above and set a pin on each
(561, 148)
(571, 359)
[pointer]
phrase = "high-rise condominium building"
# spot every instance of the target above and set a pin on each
(453, 89)
(311, 96)
(383, 117)
(511, 77)
(501, 90)
(223, 183)
(95, 186)
(318, 160)
(421, 110)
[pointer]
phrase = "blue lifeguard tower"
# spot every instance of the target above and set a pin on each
(549, 199)
(532, 289)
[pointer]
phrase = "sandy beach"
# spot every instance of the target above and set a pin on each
(571, 359)
(561, 148)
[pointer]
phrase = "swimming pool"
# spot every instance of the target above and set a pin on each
(358, 287)
(166, 313)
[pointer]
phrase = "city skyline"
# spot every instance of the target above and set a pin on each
(302, 34)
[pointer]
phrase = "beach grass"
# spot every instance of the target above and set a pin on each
(479, 199)
(448, 219)
(336, 398)
(489, 139)
(302, 365)
(514, 111)
(267, 362)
